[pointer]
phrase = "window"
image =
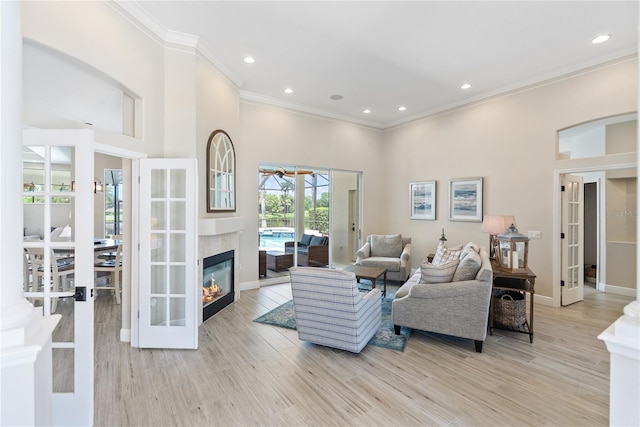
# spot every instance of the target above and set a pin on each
(112, 202)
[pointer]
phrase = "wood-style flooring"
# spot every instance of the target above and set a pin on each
(250, 374)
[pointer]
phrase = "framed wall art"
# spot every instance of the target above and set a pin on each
(465, 199)
(422, 198)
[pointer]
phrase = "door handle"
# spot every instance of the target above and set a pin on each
(80, 295)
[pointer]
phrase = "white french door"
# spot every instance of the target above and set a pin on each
(573, 240)
(58, 219)
(170, 295)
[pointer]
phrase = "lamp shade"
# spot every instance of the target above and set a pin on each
(497, 224)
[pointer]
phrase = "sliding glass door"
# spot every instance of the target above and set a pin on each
(307, 217)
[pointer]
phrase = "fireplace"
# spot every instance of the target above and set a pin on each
(217, 283)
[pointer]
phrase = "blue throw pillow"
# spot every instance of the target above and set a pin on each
(316, 241)
(306, 240)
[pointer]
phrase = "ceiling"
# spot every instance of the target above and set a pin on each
(382, 55)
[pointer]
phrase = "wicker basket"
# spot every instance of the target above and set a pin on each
(509, 309)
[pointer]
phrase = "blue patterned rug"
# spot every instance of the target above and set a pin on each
(283, 316)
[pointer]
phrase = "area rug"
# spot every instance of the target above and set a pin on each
(284, 317)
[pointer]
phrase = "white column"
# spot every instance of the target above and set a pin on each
(25, 343)
(623, 342)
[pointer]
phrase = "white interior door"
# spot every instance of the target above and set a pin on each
(573, 240)
(58, 224)
(170, 295)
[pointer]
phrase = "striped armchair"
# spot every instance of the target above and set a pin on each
(331, 311)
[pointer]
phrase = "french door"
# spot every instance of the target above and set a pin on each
(572, 289)
(58, 204)
(170, 295)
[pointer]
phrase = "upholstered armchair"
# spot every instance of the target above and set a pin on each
(392, 252)
(331, 311)
(456, 307)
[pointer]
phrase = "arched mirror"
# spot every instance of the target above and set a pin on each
(221, 166)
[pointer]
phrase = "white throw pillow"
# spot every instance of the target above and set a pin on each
(444, 255)
(438, 273)
(468, 268)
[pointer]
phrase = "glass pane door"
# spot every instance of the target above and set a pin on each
(169, 295)
(58, 259)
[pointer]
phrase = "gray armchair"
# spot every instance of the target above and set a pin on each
(459, 308)
(392, 252)
(331, 311)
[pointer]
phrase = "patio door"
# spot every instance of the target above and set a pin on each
(58, 198)
(170, 295)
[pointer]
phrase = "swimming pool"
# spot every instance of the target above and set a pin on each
(273, 239)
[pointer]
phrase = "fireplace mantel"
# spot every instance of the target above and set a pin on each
(216, 226)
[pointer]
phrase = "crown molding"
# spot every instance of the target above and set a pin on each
(263, 99)
(137, 15)
(524, 86)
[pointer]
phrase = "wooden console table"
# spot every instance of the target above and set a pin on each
(518, 282)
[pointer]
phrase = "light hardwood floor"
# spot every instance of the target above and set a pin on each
(248, 374)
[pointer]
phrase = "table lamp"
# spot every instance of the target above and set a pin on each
(494, 225)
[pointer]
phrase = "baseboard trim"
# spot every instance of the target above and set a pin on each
(619, 290)
(245, 286)
(543, 300)
(125, 335)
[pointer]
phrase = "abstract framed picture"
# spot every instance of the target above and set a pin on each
(465, 199)
(422, 197)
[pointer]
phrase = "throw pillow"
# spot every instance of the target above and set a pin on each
(468, 268)
(386, 245)
(438, 273)
(306, 240)
(316, 241)
(444, 254)
(469, 247)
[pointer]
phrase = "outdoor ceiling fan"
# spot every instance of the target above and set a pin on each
(280, 172)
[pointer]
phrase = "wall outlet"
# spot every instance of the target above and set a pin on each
(535, 234)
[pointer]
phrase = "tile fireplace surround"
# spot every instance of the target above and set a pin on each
(217, 235)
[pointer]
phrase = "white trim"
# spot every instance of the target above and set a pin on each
(619, 290)
(543, 300)
(275, 102)
(557, 219)
(247, 286)
(215, 226)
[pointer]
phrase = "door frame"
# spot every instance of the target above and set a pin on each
(557, 223)
(129, 301)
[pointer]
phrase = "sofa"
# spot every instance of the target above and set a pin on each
(313, 251)
(331, 311)
(391, 251)
(448, 305)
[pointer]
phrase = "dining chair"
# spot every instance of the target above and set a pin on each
(110, 255)
(113, 266)
(61, 271)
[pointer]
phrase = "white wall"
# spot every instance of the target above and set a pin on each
(99, 37)
(279, 136)
(510, 141)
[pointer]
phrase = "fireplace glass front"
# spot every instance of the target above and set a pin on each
(217, 283)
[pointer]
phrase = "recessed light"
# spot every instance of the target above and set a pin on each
(366, 111)
(402, 108)
(249, 59)
(336, 97)
(288, 90)
(601, 38)
(466, 86)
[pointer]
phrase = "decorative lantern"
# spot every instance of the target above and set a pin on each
(513, 251)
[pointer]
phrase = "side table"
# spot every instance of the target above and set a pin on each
(518, 282)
